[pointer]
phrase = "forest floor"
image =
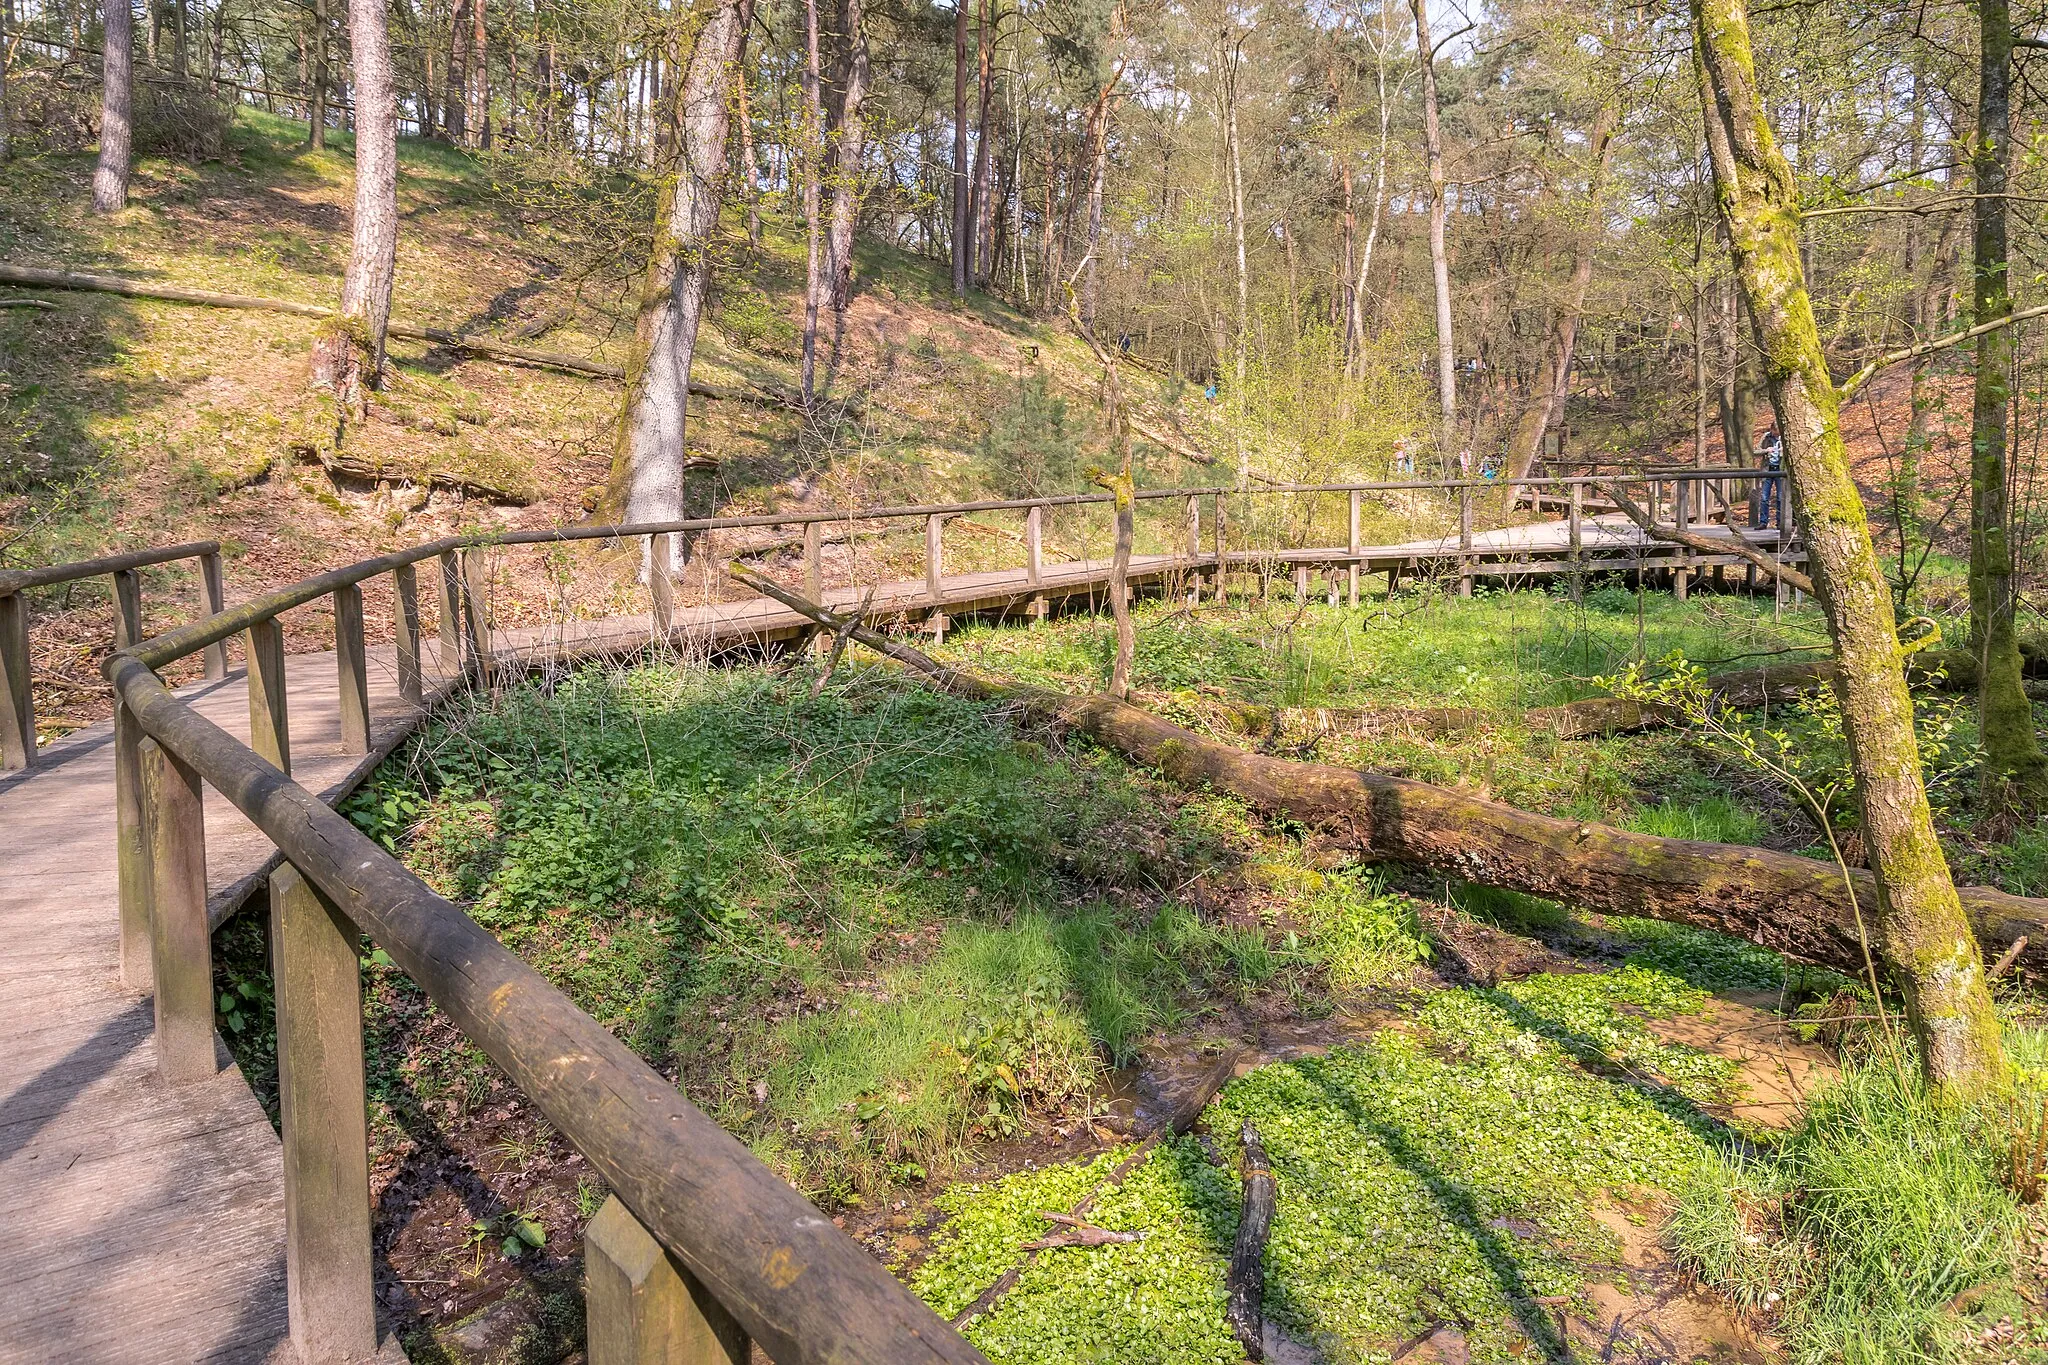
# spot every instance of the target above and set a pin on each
(940, 971)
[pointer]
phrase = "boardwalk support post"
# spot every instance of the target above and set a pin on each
(269, 725)
(1578, 542)
(1355, 546)
(1220, 589)
(328, 1287)
(215, 593)
(1681, 504)
(183, 950)
(1034, 559)
(352, 669)
(661, 588)
(17, 702)
(406, 592)
(476, 613)
(1193, 517)
(934, 571)
(451, 615)
(643, 1307)
(1465, 540)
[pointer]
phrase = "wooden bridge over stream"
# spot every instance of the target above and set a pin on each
(153, 1212)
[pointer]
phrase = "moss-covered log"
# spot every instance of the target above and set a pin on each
(1793, 905)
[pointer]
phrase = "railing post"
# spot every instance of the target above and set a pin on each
(269, 725)
(814, 578)
(661, 588)
(476, 612)
(1578, 541)
(1465, 540)
(934, 571)
(1682, 510)
(1034, 561)
(131, 853)
(183, 950)
(127, 608)
(451, 615)
(328, 1288)
(352, 669)
(1194, 529)
(1220, 588)
(1300, 584)
(1355, 547)
(406, 591)
(643, 1307)
(17, 701)
(216, 596)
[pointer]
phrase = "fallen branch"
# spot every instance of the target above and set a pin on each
(1178, 1120)
(355, 467)
(41, 305)
(1081, 1235)
(1247, 1279)
(1789, 904)
(1171, 444)
(839, 635)
(1735, 544)
(36, 278)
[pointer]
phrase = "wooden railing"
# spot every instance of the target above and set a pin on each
(701, 1246)
(17, 700)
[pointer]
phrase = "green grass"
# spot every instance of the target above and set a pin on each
(1439, 1172)
(864, 930)
(1857, 1232)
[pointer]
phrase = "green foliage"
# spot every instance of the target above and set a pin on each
(1443, 1171)
(1031, 446)
(1861, 1226)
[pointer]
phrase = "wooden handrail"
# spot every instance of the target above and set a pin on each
(17, 696)
(793, 1281)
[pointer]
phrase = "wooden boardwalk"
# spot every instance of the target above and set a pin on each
(146, 1223)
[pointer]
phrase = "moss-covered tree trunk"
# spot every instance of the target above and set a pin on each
(2013, 769)
(1921, 927)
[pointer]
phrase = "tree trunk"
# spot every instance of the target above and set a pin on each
(2012, 767)
(1791, 905)
(816, 286)
(1232, 64)
(6, 117)
(1921, 926)
(750, 180)
(647, 476)
(963, 229)
(110, 175)
(348, 351)
(1355, 324)
(848, 156)
(1555, 375)
(455, 96)
(977, 196)
(316, 115)
(479, 76)
(1098, 172)
(1439, 261)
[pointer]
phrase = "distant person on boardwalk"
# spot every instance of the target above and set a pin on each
(1770, 504)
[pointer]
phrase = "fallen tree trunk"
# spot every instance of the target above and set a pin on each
(1247, 1279)
(1789, 904)
(37, 278)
